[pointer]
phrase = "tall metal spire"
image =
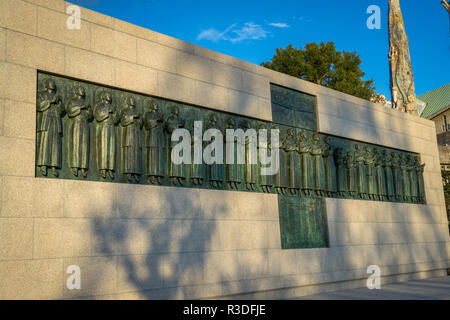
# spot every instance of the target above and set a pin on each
(446, 5)
(402, 79)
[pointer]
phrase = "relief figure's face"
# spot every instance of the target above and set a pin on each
(81, 92)
(51, 87)
(131, 103)
(153, 107)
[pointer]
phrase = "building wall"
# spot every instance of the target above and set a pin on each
(444, 157)
(161, 242)
(442, 122)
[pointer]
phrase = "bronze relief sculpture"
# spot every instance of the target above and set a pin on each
(250, 159)
(350, 166)
(49, 128)
(421, 185)
(318, 165)
(197, 169)
(304, 148)
(361, 175)
(341, 176)
(131, 124)
(155, 142)
(387, 166)
(414, 182)
(216, 170)
(369, 161)
(233, 175)
(289, 144)
(101, 139)
(177, 173)
(404, 166)
(80, 114)
(106, 117)
(280, 182)
(330, 167)
(265, 181)
(380, 176)
(398, 177)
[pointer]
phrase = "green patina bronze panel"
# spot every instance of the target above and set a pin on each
(283, 115)
(293, 108)
(293, 99)
(303, 223)
(305, 120)
(90, 132)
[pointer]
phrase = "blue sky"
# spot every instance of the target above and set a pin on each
(251, 30)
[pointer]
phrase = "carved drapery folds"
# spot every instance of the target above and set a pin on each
(106, 117)
(233, 175)
(216, 169)
(174, 121)
(80, 114)
(130, 124)
(88, 132)
(265, 181)
(341, 174)
(280, 178)
(330, 168)
(289, 145)
(49, 128)
(155, 142)
(305, 148)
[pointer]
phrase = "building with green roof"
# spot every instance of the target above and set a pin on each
(437, 108)
(437, 101)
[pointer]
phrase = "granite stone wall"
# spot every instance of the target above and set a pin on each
(149, 242)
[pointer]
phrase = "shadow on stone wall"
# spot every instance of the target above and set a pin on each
(158, 256)
(162, 255)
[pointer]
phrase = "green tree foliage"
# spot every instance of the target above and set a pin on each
(324, 65)
(446, 183)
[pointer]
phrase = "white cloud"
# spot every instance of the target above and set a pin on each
(279, 25)
(249, 31)
(214, 35)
